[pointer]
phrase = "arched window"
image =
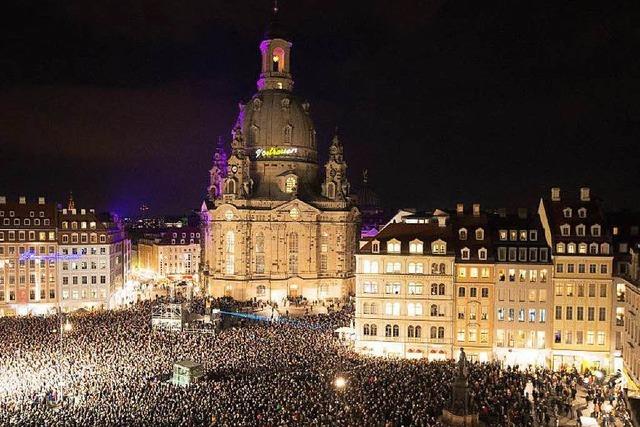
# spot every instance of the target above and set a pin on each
(374, 330)
(293, 253)
(560, 248)
(277, 60)
(290, 184)
(441, 289)
(434, 310)
(331, 190)
(374, 308)
(260, 253)
(230, 186)
(443, 268)
(434, 289)
(387, 331)
(230, 242)
(366, 308)
(396, 330)
(288, 130)
(441, 332)
(418, 331)
(410, 331)
(434, 332)
(365, 329)
(434, 268)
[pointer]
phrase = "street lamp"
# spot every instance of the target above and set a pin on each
(340, 382)
(67, 326)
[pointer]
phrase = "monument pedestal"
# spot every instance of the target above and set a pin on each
(452, 419)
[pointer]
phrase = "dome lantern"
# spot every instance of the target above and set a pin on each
(275, 51)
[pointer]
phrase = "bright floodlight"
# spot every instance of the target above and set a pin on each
(67, 326)
(340, 382)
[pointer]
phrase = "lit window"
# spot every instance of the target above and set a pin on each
(290, 184)
(479, 234)
(415, 247)
(464, 253)
(393, 246)
(462, 233)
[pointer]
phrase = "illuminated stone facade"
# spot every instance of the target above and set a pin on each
(404, 291)
(271, 228)
(171, 253)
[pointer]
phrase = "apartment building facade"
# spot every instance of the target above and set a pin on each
(171, 253)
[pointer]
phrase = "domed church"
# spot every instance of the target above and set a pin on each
(272, 226)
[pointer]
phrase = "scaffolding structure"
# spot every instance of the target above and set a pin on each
(168, 316)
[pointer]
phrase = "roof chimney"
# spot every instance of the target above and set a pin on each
(555, 194)
(22, 200)
(476, 209)
(460, 209)
(522, 213)
(584, 194)
(41, 200)
(3, 200)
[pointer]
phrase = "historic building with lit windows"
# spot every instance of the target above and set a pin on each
(28, 263)
(94, 257)
(583, 295)
(523, 290)
(173, 253)
(474, 283)
(404, 290)
(271, 228)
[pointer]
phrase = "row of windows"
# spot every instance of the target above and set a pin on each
(32, 214)
(593, 268)
(515, 235)
(84, 280)
(520, 338)
(474, 272)
(394, 331)
(471, 335)
(22, 280)
(32, 295)
(579, 313)
(373, 267)
(182, 241)
(479, 234)
(472, 312)
(83, 294)
(583, 248)
(42, 236)
(394, 309)
(522, 315)
(520, 254)
(581, 230)
(473, 292)
(10, 264)
(84, 238)
(83, 265)
(438, 247)
(84, 251)
(520, 294)
(522, 275)
(593, 338)
(26, 221)
(465, 253)
(83, 225)
(579, 290)
(412, 288)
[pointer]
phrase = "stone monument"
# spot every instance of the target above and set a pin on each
(460, 412)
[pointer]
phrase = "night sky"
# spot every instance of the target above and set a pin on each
(443, 101)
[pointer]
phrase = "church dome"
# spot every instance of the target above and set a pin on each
(276, 123)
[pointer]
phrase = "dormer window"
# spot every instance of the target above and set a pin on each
(582, 248)
(560, 248)
(567, 212)
(503, 234)
(462, 233)
(593, 249)
(415, 247)
(604, 249)
(482, 253)
(582, 213)
(533, 235)
(580, 230)
(513, 235)
(523, 235)
(464, 253)
(565, 230)
(595, 230)
(571, 248)
(479, 234)
(393, 247)
(375, 247)
(439, 247)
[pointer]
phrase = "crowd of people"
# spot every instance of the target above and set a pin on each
(111, 368)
